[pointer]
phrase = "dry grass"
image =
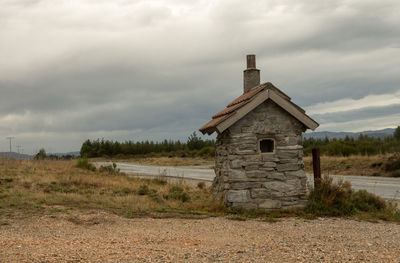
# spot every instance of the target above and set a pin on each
(352, 165)
(37, 186)
(166, 161)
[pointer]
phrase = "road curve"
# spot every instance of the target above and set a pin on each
(386, 187)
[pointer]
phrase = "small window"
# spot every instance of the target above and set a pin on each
(267, 146)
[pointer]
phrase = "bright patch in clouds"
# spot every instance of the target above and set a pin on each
(352, 104)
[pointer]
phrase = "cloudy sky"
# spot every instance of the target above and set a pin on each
(72, 70)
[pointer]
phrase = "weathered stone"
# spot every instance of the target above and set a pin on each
(256, 174)
(270, 204)
(288, 167)
(238, 196)
(288, 154)
(298, 174)
(251, 167)
(269, 158)
(248, 205)
(252, 158)
(276, 176)
(260, 193)
(294, 160)
(236, 164)
(293, 147)
(238, 151)
(269, 164)
(276, 186)
(245, 185)
(236, 175)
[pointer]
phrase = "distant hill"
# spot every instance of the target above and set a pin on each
(74, 154)
(340, 135)
(14, 155)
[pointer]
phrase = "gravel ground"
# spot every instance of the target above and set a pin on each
(102, 237)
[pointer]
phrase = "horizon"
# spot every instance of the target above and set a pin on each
(158, 141)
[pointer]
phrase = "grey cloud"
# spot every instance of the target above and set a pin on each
(138, 72)
(360, 114)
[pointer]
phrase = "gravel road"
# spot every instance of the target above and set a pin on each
(102, 237)
(386, 187)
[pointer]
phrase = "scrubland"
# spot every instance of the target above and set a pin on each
(53, 211)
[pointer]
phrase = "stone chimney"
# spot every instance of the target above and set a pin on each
(251, 75)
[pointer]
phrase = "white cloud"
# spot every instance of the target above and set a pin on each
(342, 105)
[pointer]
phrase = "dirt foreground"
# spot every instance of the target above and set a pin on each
(102, 237)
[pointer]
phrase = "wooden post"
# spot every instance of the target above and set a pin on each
(316, 166)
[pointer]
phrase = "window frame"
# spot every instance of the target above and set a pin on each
(263, 139)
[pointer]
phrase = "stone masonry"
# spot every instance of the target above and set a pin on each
(247, 178)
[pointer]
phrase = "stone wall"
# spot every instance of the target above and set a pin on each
(247, 178)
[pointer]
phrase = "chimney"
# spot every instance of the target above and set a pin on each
(251, 75)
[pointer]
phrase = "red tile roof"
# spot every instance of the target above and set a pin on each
(231, 108)
(247, 97)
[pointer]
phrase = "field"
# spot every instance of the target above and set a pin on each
(52, 211)
(374, 165)
(353, 165)
(37, 187)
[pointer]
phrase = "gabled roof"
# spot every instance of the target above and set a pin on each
(245, 103)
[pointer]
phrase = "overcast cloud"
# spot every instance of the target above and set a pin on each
(136, 70)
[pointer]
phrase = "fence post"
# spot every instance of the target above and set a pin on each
(316, 166)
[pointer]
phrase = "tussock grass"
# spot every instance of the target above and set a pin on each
(32, 185)
(374, 165)
(28, 187)
(339, 199)
(166, 161)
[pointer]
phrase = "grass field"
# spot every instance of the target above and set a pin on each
(49, 187)
(352, 165)
(42, 186)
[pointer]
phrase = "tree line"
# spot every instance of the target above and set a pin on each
(363, 145)
(196, 146)
(107, 148)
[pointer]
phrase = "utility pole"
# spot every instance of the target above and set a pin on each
(19, 148)
(10, 138)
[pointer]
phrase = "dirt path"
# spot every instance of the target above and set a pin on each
(101, 237)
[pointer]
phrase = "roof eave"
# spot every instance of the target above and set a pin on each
(288, 106)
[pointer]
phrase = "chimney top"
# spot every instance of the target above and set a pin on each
(251, 61)
(251, 75)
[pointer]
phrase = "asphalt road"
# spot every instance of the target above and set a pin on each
(386, 187)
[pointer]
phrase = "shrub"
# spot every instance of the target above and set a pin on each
(338, 199)
(393, 163)
(111, 169)
(177, 193)
(41, 155)
(83, 163)
(396, 174)
(143, 190)
(201, 185)
(159, 181)
(208, 151)
(367, 202)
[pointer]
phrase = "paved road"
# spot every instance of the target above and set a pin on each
(386, 187)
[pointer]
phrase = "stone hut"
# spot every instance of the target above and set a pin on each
(259, 152)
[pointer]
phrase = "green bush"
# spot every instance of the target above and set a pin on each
(338, 199)
(83, 163)
(208, 151)
(177, 193)
(143, 190)
(393, 164)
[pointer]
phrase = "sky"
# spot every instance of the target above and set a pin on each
(72, 70)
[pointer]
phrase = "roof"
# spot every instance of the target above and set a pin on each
(245, 103)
